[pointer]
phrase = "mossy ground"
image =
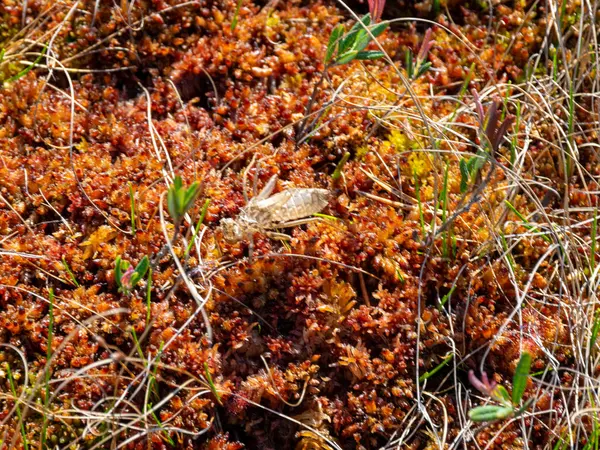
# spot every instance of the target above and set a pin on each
(326, 340)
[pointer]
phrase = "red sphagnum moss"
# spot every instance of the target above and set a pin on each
(359, 332)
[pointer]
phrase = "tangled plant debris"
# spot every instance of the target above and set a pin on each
(458, 235)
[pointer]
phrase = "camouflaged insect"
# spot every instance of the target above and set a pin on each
(266, 212)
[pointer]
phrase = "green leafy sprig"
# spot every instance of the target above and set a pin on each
(180, 199)
(346, 47)
(126, 276)
(507, 405)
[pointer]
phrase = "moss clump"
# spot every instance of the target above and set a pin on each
(321, 341)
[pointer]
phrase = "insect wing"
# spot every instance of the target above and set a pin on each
(293, 204)
(268, 210)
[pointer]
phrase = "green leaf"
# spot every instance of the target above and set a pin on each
(190, 196)
(361, 41)
(523, 408)
(370, 55)
(135, 278)
(422, 69)
(358, 38)
(142, 267)
(346, 43)
(408, 62)
(490, 412)
(118, 271)
(350, 40)
(172, 204)
(70, 272)
(475, 163)
(377, 30)
(447, 297)
(180, 199)
(197, 230)
(365, 21)
(333, 42)
(346, 57)
(464, 176)
(520, 377)
(478, 161)
(501, 394)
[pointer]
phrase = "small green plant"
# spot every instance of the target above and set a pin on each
(417, 67)
(468, 170)
(180, 199)
(126, 276)
(492, 131)
(507, 405)
(346, 47)
(26, 70)
(343, 47)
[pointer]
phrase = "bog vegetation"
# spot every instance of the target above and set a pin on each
(435, 164)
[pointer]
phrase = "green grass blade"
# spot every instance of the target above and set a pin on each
(595, 330)
(520, 377)
(236, 14)
(437, 368)
(447, 297)
(26, 70)
(13, 389)
(161, 426)
(149, 296)
(337, 173)
(211, 383)
(68, 269)
(48, 371)
(526, 223)
(138, 347)
(200, 222)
